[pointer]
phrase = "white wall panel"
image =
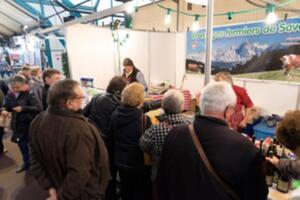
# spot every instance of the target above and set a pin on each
(90, 53)
(162, 57)
(273, 97)
(180, 58)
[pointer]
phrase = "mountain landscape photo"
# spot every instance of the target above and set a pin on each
(260, 55)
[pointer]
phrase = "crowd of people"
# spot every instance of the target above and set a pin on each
(22, 102)
(111, 149)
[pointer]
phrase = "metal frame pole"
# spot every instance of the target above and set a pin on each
(208, 45)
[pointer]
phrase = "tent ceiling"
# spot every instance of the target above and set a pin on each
(13, 18)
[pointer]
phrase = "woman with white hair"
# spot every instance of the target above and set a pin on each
(183, 174)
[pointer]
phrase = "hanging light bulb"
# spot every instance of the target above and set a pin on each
(168, 17)
(198, 2)
(130, 9)
(271, 18)
(195, 26)
(271, 15)
(229, 15)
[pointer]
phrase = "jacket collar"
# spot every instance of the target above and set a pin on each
(57, 110)
(210, 119)
(171, 118)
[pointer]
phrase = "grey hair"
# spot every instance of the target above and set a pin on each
(216, 97)
(172, 102)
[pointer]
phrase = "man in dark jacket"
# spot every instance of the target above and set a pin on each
(3, 92)
(101, 107)
(33, 85)
(24, 106)
(50, 76)
(182, 173)
(68, 157)
(99, 112)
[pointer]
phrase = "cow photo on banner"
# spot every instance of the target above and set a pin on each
(254, 50)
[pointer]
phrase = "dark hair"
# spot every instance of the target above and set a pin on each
(18, 79)
(128, 62)
(61, 91)
(288, 130)
(116, 84)
(49, 72)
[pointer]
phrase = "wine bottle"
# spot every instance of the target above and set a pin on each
(276, 176)
(253, 139)
(284, 183)
(280, 151)
(284, 179)
(270, 168)
(261, 146)
(275, 150)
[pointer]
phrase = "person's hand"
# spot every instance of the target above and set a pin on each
(274, 160)
(52, 193)
(243, 124)
(4, 113)
(18, 109)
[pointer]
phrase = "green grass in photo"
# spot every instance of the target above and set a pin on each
(273, 75)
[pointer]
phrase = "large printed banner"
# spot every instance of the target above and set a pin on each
(254, 50)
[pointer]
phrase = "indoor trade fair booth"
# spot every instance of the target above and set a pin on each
(175, 44)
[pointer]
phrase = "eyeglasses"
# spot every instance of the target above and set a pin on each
(78, 98)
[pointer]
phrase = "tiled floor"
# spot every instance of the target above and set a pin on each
(14, 186)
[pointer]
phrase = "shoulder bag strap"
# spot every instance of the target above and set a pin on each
(206, 162)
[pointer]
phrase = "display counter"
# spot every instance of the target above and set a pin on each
(262, 131)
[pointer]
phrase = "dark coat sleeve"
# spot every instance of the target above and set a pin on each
(36, 167)
(87, 109)
(33, 105)
(291, 167)
(38, 170)
(79, 156)
(151, 105)
(148, 122)
(4, 87)
(254, 184)
(9, 102)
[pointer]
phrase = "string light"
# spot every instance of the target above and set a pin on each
(195, 26)
(198, 2)
(117, 39)
(229, 15)
(130, 9)
(271, 15)
(168, 17)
